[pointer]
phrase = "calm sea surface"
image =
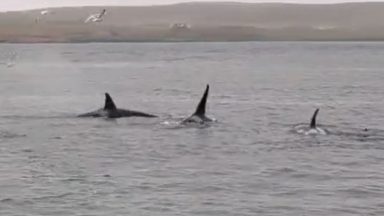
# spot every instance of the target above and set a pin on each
(250, 162)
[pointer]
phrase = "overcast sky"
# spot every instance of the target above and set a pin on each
(6, 5)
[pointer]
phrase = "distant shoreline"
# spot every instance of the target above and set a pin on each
(198, 22)
(178, 41)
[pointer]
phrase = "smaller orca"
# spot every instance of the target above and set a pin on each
(313, 126)
(313, 129)
(111, 111)
(199, 115)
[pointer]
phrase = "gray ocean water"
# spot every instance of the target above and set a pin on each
(250, 162)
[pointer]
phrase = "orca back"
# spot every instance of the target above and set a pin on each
(313, 120)
(200, 110)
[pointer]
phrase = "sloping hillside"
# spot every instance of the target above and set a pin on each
(205, 21)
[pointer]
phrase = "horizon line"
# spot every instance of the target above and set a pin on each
(190, 2)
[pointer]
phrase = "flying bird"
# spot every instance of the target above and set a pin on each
(96, 17)
(42, 13)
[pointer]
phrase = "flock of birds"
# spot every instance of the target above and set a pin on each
(97, 17)
(92, 18)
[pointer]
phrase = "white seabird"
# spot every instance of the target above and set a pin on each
(96, 17)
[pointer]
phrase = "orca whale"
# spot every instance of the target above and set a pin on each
(199, 115)
(313, 128)
(111, 111)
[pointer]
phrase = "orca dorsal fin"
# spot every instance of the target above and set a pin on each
(200, 110)
(103, 12)
(109, 104)
(313, 120)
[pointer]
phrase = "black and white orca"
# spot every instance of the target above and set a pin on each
(199, 115)
(313, 128)
(111, 111)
